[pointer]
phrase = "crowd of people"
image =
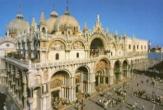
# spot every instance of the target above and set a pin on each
(119, 95)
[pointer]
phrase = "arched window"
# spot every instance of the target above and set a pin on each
(43, 30)
(137, 46)
(134, 47)
(68, 32)
(57, 56)
(129, 46)
(77, 55)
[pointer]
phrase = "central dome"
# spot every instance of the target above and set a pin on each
(67, 22)
(51, 21)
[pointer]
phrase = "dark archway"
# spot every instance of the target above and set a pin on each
(97, 47)
(81, 80)
(102, 73)
(59, 86)
(125, 69)
(117, 71)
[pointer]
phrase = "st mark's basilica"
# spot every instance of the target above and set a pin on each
(56, 59)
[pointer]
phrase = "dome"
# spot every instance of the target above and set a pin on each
(67, 21)
(54, 14)
(51, 21)
(18, 25)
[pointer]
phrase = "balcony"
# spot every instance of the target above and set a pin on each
(95, 55)
(97, 52)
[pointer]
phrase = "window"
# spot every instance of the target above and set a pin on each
(77, 55)
(134, 47)
(7, 45)
(57, 56)
(68, 32)
(137, 46)
(43, 30)
(129, 46)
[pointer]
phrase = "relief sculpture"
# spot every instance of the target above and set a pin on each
(57, 45)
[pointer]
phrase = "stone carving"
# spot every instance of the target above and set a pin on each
(57, 45)
(35, 80)
(56, 83)
(78, 45)
(102, 65)
(77, 79)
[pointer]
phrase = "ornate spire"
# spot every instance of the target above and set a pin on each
(53, 6)
(107, 29)
(42, 18)
(85, 28)
(98, 18)
(98, 27)
(33, 22)
(53, 13)
(98, 23)
(67, 5)
(67, 8)
(116, 32)
(19, 14)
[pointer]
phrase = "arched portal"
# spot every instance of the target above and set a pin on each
(125, 69)
(96, 47)
(59, 86)
(102, 73)
(117, 71)
(81, 80)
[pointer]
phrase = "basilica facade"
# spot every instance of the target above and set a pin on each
(56, 59)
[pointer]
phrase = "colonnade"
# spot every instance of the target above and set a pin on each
(16, 82)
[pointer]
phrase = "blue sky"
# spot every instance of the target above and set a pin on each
(141, 18)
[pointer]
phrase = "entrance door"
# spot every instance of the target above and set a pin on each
(77, 88)
(55, 99)
(55, 94)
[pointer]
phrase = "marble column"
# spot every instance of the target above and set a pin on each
(72, 90)
(99, 79)
(104, 79)
(43, 104)
(30, 101)
(81, 83)
(91, 84)
(111, 76)
(25, 90)
(121, 73)
(48, 101)
(127, 72)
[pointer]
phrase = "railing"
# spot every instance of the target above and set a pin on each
(38, 65)
(16, 61)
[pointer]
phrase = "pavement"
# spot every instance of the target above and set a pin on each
(141, 104)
